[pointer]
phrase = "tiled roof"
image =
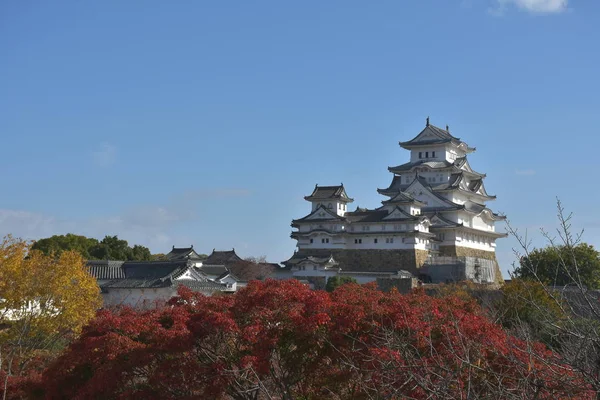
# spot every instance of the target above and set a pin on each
(434, 164)
(213, 269)
(328, 217)
(442, 222)
(364, 215)
(329, 192)
(181, 250)
(221, 258)
(148, 274)
(402, 197)
(431, 135)
(180, 253)
(105, 269)
(247, 271)
(201, 285)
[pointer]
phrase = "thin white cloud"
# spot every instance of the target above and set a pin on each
(533, 6)
(154, 226)
(105, 156)
(525, 172)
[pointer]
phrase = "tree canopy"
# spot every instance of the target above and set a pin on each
(333, 282)
(43, 299)
(109, 248)
(562, 265)
(281, 340)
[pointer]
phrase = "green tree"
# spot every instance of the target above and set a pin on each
(336, 281)
(44, 300)
(58, 243)
(562, 265)
(112, 248)
(140, 253)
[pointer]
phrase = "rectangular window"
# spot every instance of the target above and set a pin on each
(375, 241)
(420, 155)
(314, 268)
(426, 154)
(433, 154)
(326, 240)
(391, 240)
(311, 240)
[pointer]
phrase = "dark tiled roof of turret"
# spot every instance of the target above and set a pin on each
(404, 198)
(329, 192)
(222, 258)
(365, 215)
(442, 222)
(432, 135)
(329, 215)
(434, 164)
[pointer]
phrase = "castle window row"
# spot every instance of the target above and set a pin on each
(426, 154)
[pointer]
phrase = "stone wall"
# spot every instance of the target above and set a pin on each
(318, 282)
(459, 251)
(371, 260)
(403, 285)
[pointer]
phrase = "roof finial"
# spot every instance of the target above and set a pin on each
(447, 128)
(192, 246)
(427, 123)
(173, 247)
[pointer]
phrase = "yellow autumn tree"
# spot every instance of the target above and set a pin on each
(43, 301)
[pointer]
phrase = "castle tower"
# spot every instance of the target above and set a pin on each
(435, 206)
(454, 196)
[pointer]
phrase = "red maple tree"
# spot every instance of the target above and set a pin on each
(280, 340)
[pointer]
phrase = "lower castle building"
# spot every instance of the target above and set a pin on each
(434, 218)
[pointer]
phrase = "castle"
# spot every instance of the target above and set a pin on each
(434, 215)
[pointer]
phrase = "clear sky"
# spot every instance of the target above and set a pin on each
(177, 123)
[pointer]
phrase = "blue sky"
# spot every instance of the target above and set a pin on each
(206, 123)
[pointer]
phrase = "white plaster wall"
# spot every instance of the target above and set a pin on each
(482, 223)
(474, 241)
(137, 298)
(340, 208)
(439, 153)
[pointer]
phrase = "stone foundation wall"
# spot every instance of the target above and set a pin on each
(403, 285)
(318, 282)
(459, 251)
(370, 260)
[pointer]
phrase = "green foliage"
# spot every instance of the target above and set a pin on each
(529, 303)
(562, 265)
(336, 281)
(59, 243)
(111, 248)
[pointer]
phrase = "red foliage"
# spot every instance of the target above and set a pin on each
(280, 339)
